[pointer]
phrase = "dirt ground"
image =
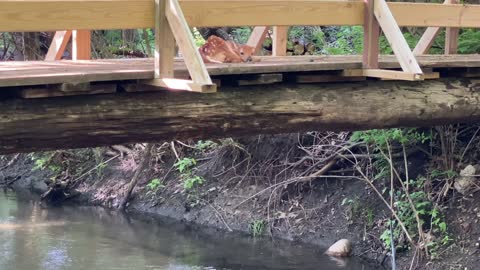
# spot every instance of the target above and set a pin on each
(320, 211)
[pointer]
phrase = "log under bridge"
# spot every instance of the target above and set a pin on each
(47, 105)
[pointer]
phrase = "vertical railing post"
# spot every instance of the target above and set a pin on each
(279, 42)
(164, 43)
(81, 45)
(371, 36)
(451, 35)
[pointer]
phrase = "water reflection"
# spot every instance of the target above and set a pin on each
(32, 237)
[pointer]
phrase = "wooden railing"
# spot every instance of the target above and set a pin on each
(172, 20)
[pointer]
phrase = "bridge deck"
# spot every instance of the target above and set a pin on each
(41, 73)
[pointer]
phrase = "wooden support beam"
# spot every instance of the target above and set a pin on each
(395, 38)
(451, 36)
(426, 41)
(81, 45)
(180, 84)
(87, 121)
(257, 37)
(39, 92)
(58, 45)
(258, 79)
(371, 42)
(196, 68)
(384, 74)
(323, 78)
(164, 43)
(280, 39)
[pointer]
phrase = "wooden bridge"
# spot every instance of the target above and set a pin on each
(60, 104)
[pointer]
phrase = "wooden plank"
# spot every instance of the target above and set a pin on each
(259, 79)
(384, 74)
(81, 45)
(371, 43)
(164, 43)
(184, 38)
(41, 72)
(58, 45)
(279, 42)
(395, 37)
(179, 84)
(426, 41)
(451, 36)
(257, 37)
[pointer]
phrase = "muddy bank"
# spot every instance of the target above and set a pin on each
(245, 186)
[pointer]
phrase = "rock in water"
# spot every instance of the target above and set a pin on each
(341, 248)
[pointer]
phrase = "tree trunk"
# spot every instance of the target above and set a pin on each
(86, 121)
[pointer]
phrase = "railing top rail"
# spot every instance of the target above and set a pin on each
(51, 15)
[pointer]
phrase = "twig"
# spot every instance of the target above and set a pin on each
(10, 162)
(321, 171)
(94, 168)
(412, 205)
(186, 145)
(400, 222)
(219, 215)
(466, 148)
(413, 259)
(174, 151)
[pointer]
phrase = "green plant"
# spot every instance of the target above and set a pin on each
(380, 139)
(415, 217)
(199, 40)
(185, 164)
(192, 181)
(468, 41)
(46, 161)
(358, 211)
(205, 145)
(241, 34)
(431, 220)
(257, 227)
(155, 184)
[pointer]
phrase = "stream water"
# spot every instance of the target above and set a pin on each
(33, 237)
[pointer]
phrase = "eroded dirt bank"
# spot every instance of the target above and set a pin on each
(287, 186)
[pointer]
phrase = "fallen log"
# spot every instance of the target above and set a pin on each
(86, 121)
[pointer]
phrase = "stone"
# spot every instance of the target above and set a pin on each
(341, 248)
(466, 180)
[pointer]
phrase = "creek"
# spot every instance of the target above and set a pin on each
(34, 237)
